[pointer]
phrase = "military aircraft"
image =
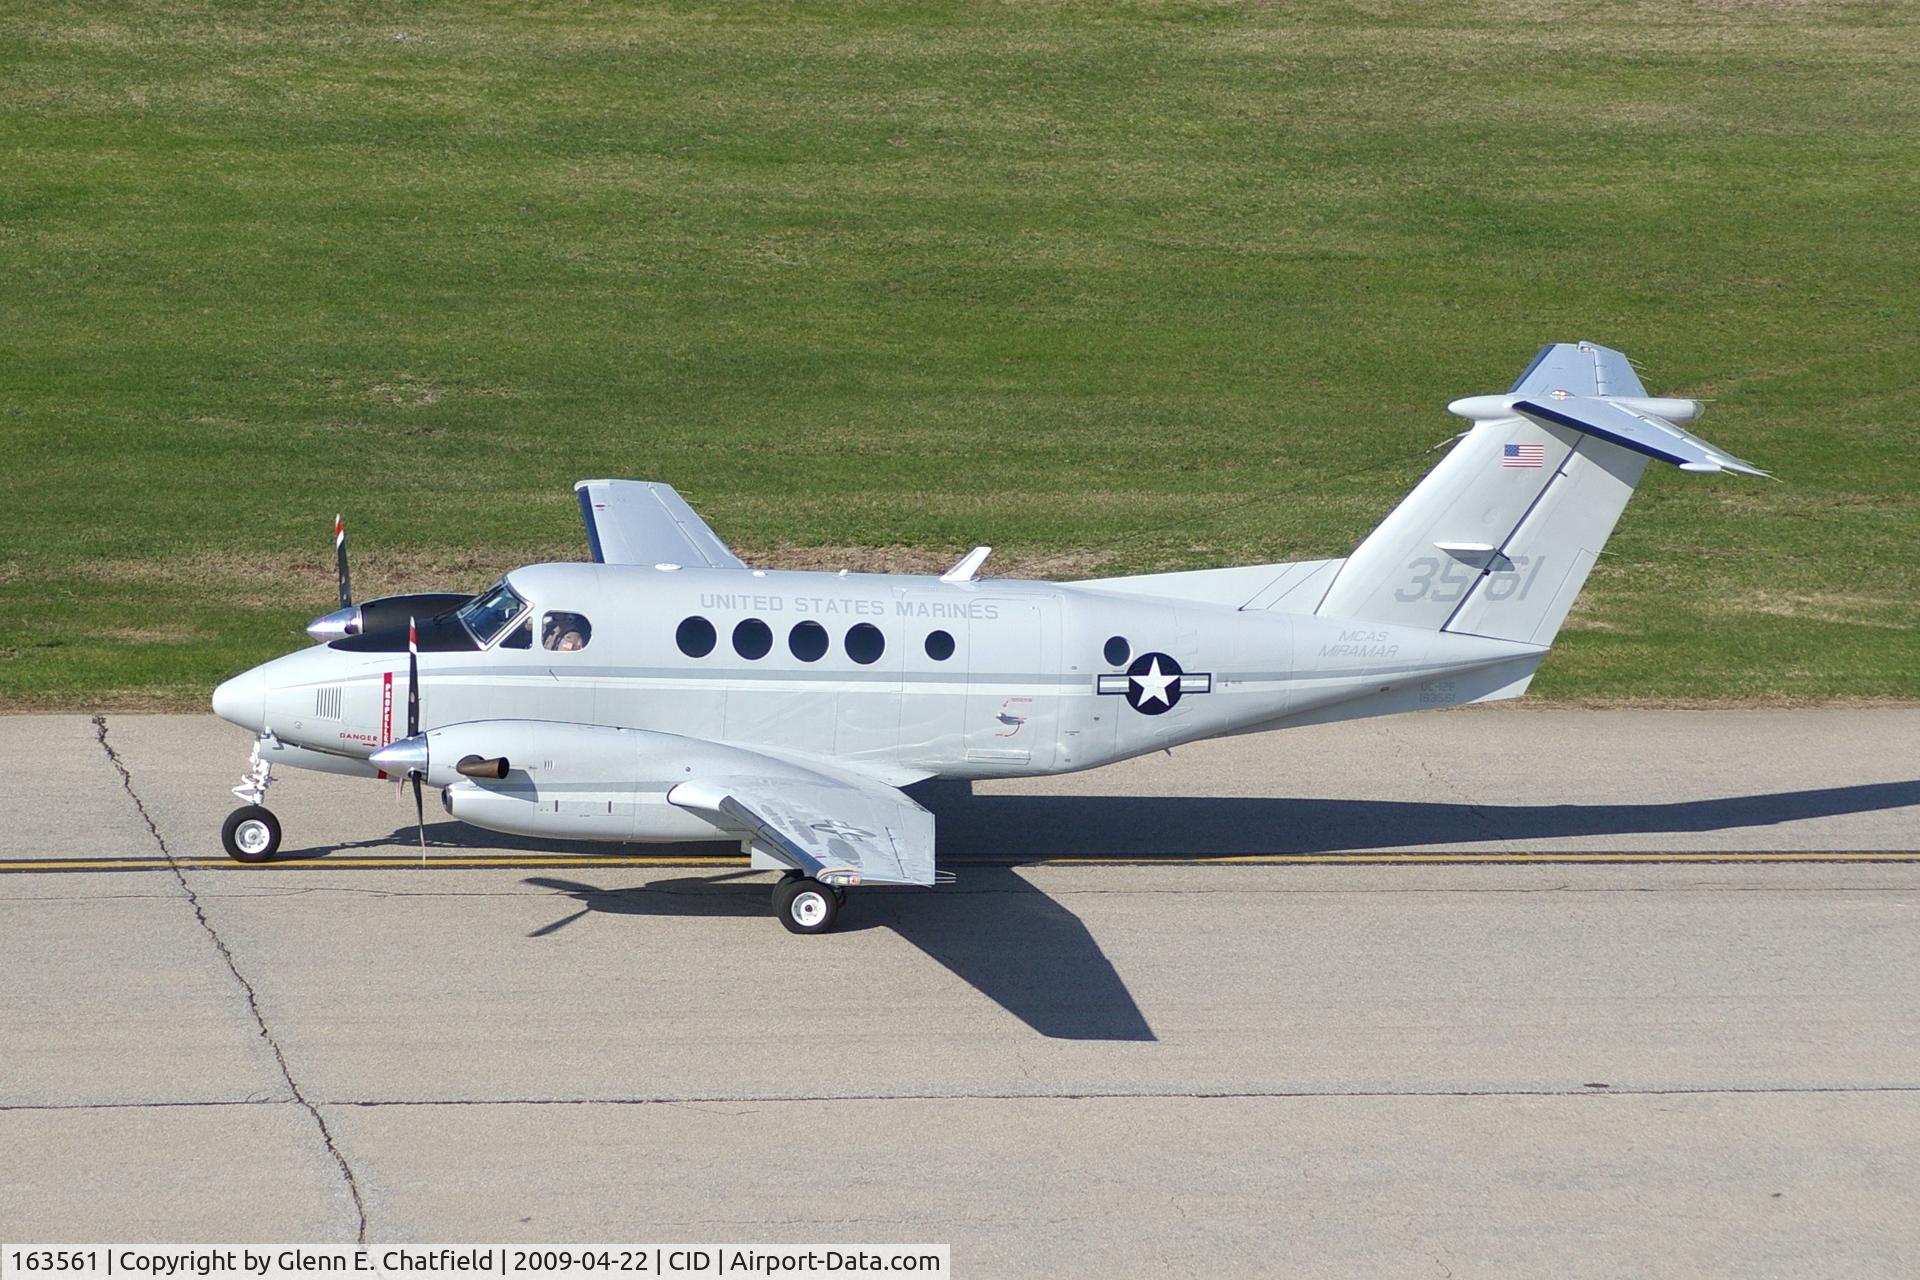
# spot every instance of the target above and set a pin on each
(668, 691)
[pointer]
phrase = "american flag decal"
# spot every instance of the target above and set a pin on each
(1523, 455)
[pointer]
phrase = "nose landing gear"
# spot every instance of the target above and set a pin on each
(251, 833)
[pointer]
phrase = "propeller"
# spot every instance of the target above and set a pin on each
(413, 713)
(340, 559)
(346, 620)
(405, 759)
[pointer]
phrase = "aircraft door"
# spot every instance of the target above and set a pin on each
(933, 699)
(1012, 715)
(867, 725)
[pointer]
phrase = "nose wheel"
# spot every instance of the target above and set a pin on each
(250, 834)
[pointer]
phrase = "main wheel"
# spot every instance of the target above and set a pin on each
(806, 906)
(250, 834)
(780, 887)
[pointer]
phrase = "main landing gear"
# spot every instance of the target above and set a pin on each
(251, 833)
(805, 905)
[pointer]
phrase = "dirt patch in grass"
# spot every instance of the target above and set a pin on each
(405, 391)
(162, 633)
(278, 579)
(1841, 607)
(267, 580)
(1590, 613)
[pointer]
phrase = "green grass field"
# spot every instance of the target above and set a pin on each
(1113, 287)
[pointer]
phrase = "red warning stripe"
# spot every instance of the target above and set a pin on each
(386, 711)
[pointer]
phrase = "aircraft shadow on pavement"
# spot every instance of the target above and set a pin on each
(1017, 826)
(1035, 958)
(1009, 941)
(1034, 826)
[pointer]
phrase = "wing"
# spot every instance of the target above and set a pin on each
(1581, 368)
(639, 522)
(837, 829)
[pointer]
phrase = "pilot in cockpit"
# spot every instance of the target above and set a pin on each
(565, 632)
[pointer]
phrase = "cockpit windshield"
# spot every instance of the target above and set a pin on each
(489, 613)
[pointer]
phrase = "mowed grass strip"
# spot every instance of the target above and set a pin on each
(1113, 287)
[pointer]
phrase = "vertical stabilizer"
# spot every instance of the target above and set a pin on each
(1499, 537)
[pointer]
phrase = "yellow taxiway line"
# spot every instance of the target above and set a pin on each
(536, 861)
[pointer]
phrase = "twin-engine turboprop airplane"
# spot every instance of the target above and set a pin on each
(667, 691)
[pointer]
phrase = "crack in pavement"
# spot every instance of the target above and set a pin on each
(1406, 749)
(246, 987)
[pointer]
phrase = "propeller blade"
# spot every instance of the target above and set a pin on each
(420, 816)
(413, 729)
(413, 680)
(340, 559)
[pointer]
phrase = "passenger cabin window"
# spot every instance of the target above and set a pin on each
(565, 632)
(695, 636)
(808, 641)
(865, 643)
(753, 639)
(939, 645)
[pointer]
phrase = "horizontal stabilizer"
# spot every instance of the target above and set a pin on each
(1644, 425)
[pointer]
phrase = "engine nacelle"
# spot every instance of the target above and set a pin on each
(574, 815)
(383, 613)
(582, 781)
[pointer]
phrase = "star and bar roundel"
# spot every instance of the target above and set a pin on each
(1154, 684)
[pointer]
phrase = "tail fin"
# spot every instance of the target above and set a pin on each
(1498, 539)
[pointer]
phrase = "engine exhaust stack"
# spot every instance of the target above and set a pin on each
(492, 769)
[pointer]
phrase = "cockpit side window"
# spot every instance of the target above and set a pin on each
(489, 613)
(565, 632)
(522, 637)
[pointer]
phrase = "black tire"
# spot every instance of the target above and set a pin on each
(806, 906)
(780, 885)
(250, 834)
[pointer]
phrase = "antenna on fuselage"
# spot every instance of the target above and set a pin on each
(968, 570)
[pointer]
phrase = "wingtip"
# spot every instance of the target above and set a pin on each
(1713, 466)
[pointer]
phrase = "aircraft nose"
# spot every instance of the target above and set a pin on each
(243, 700)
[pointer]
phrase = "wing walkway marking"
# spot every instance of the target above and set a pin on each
(25, 866)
